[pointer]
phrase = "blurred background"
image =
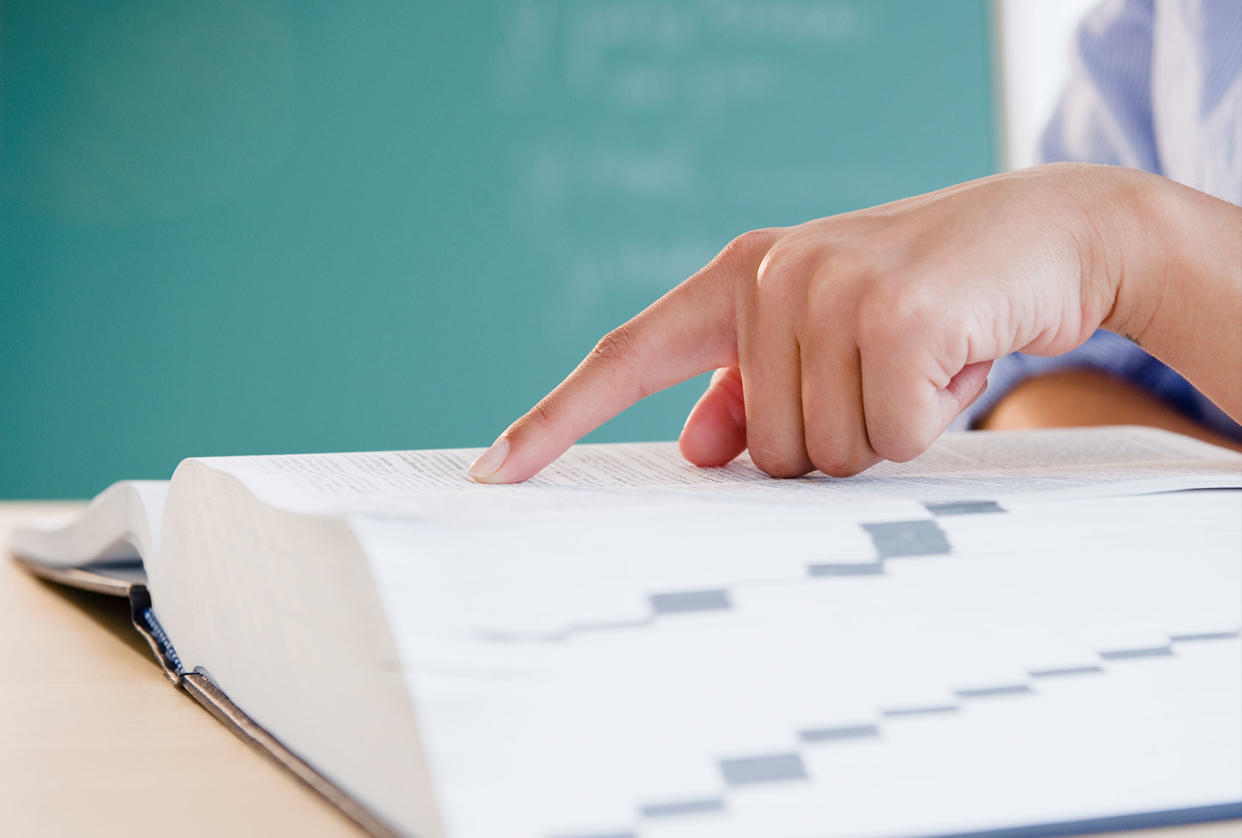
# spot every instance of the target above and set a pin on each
(257, 226)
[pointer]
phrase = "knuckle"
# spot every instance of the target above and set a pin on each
(543, 414)
(836, 276)
(837, 463)
(896, 448)
(777, 463)
(840, 454)
(616, 347)
(616, 354)
(905, 453)
(748, 247)
(784, 269)
(911, 445)
(897, 442)
(824, 305)
(888, 316)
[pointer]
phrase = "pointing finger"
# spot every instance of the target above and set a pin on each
(688, 331)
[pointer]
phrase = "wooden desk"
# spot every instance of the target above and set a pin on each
(94, 740)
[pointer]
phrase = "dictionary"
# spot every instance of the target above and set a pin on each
(1015, 633)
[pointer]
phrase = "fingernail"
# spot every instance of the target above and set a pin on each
(490, 461)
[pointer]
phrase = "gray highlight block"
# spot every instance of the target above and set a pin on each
(763, 769)
(964, 507)
(895, 539)
(1204, 635)
(1126, 654)
(928, 710)
(682, 807)
(839, 734)
(627, 834)
(860, 569)
(1061, 671)
(680, 602)
(994, 692)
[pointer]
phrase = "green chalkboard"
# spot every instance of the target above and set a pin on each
(253, 226)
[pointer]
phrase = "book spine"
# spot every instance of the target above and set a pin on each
(144, 619)
(161, 637)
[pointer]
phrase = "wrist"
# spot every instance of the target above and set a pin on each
(1179, 283)
(1135, 233)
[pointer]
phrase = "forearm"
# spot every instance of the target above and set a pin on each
(1179, 286)
(1081, 396)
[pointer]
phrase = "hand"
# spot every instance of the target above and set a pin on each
(859, 337)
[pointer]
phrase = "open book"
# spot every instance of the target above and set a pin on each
(1012, 631)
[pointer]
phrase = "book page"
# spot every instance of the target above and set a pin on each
(630, 645)
(434, 484)
(894, 669)
(121, 525)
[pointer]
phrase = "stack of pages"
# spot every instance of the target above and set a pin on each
(1014, 633)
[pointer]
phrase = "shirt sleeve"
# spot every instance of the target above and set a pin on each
(1105, 112)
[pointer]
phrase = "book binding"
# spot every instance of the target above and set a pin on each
(200, 688)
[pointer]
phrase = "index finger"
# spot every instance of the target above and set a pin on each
(688, 331)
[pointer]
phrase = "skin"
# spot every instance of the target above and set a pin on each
(1080, 397)
(858, 337)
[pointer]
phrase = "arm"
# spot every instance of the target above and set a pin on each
(1104, 116)
(856, 338)
(1076, 394)
(1180, 297)
(1080, 397)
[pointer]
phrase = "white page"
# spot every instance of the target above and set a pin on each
(434, 484)
(121, 524)
(553, 699)
(555, 696)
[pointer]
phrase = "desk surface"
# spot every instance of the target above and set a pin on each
(93, 739)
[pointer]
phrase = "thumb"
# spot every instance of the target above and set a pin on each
(715, 431)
